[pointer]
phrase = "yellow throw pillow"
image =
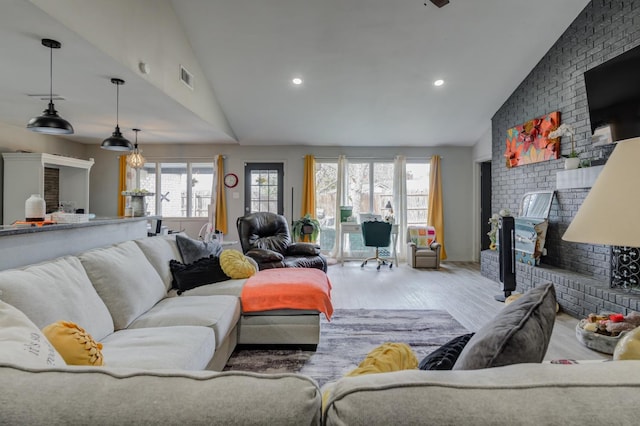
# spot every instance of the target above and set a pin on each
(236, 265)
(76, 346)
(386, 358)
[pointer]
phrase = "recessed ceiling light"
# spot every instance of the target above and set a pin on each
(297, 81)
(438, 82)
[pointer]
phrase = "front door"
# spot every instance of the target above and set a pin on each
(263, 188)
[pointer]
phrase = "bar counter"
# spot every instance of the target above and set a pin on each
(24, 244)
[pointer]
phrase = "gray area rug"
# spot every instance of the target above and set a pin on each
(346, 340)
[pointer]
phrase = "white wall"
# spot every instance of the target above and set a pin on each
(143, 30)
(457, 177)
(482, 148)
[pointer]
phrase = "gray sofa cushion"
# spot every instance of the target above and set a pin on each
(220, 313)
(192, 250)
(160, 250)
(180, 347)
(57, 290)
(520, 333)
(125, 280)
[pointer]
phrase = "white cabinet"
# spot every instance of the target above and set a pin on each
(24, 174)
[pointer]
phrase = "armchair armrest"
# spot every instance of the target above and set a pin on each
(435, 246)
(264, 255)
(411, 247)
(303, 249)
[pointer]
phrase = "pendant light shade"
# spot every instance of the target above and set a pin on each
(117, 142)
(50, 122)
(135, 159)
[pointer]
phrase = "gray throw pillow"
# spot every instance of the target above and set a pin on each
(192, 250)
(519, 334)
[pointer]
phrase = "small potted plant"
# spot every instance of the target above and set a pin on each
(306, 228)
(572, 160)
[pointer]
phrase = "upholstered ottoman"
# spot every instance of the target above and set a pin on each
(282, 306)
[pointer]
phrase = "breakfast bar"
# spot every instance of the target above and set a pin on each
(23, 244)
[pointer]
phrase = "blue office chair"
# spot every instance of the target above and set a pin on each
(377, 234)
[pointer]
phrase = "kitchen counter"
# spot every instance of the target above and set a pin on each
(24, 244)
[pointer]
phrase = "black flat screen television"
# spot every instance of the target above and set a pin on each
(613, 94)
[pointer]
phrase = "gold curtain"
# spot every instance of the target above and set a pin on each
(221, 198)
(122, 183)
(309, 186)
(436, 215)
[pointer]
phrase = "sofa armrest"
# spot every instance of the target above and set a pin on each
(264, 255)
(303, 249)
(435, 246)
(197, 397)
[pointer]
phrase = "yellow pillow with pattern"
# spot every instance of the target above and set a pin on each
(74, 344)
(236, 265)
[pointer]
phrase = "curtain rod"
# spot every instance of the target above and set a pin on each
(375, 158)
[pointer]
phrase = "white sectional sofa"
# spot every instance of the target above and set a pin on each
(122, 296)
(157, 345)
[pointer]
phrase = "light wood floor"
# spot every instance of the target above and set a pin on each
(458, 287)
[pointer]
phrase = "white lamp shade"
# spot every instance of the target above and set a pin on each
(610, 214)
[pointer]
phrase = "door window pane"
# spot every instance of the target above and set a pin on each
(264, 190)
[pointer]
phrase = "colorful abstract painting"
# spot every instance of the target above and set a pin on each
(529, 142)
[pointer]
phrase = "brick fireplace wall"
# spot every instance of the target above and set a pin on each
(603, 30)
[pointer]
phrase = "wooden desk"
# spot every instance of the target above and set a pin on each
(347, 228)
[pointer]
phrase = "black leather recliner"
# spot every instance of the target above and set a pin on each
(265, 238)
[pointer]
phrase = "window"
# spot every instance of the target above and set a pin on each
(417, 192)
(370, 186)
(326, 187)
(183, 189)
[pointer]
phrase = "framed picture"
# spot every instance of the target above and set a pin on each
(529, 142)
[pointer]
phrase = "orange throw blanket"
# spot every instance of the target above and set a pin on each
(288, 288)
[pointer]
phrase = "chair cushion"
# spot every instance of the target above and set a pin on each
(125, 280)
(425, 253)
(55, 290)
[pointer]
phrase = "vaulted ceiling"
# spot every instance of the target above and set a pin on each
(367, 70)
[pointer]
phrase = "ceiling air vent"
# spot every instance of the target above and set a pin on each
(186, 77)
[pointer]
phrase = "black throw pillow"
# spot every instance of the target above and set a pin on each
(446, 355)
(192, 250)
(204, 271)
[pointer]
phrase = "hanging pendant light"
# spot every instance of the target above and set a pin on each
(50, 122)
(135, 159)
(117, 142)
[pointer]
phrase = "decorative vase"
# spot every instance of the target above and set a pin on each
(35, 208)
(571, 163)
